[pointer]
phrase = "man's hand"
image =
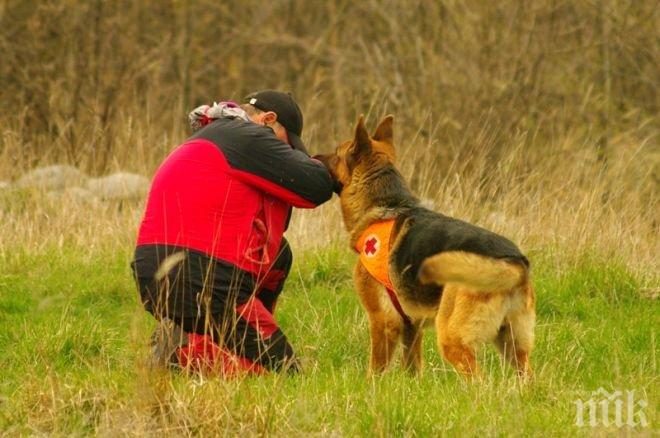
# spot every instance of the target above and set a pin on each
(198, 118)
(205, 114)
(324, 159)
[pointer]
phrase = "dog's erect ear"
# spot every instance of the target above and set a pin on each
(384, 135)
(362, 142)
(384, 130)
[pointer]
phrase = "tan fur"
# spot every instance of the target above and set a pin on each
(480, 273)
(385, 325)
(466, 320)
(483, 299)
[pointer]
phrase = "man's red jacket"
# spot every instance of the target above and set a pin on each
(228, 192)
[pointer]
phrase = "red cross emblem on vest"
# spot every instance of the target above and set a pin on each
(371, 245)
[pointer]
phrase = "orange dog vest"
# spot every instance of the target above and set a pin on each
(374, 249)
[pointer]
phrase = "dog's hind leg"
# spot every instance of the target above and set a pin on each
(412, 347)
(384, 323)
(460, 355)
(513, 351)
(453, 332)
(516, 339)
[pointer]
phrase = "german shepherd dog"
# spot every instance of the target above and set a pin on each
(472, 282)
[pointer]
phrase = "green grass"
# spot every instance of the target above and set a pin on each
(73, 341)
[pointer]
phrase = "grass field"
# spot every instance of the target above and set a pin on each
(537, 120)
(74, 344)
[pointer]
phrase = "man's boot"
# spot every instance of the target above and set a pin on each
(165, 341)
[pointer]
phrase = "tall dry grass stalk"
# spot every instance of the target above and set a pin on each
(536, 119)
(568, 202)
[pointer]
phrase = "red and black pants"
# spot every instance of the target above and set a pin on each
(207, 296)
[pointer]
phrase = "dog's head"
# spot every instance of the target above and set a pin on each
(362, 155)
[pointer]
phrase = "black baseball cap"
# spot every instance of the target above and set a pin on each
(287, 110)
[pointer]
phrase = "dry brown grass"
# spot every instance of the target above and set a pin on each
(536, 119)
(567, 203)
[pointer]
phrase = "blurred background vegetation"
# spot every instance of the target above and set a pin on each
(536, 119)
(100, 83)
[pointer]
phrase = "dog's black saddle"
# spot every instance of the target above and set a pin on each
(428, 233)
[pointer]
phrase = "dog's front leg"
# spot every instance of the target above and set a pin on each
(384, 327)
(412, 347)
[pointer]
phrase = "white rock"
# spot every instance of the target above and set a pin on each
(76, 194)
(122, 185)
(55, 177)
(79, 194)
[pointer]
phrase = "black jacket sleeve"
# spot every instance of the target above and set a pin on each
(257, 157)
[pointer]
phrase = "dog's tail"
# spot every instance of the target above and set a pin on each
(477, 272)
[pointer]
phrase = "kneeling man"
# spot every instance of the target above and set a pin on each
(211, 260)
